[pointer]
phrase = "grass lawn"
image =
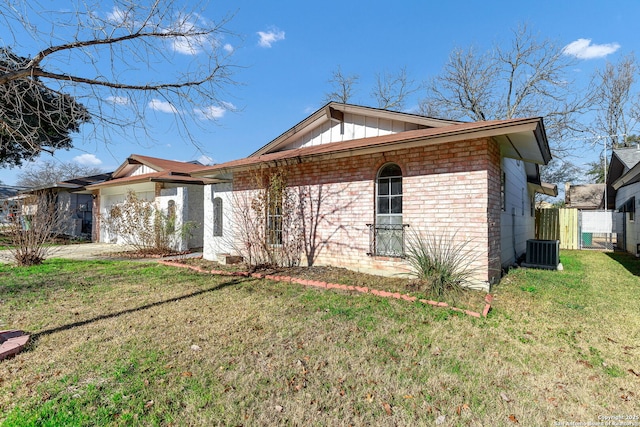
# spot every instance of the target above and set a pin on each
(121, 343)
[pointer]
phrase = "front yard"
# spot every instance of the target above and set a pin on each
(120, 343)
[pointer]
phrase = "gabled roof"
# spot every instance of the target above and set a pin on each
(522, 139)
(164, 171)
(624, 167)
(159, 165)
(585, 196)
(73, 185)
(629, 156)
(335, 111)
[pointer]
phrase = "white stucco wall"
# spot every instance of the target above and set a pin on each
(110, 196)
(192, 212)
(214, 245)
(179, 195)
(517, 224)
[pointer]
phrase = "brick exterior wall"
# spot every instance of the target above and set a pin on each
(447, 188)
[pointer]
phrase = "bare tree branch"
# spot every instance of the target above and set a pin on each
(527, 78)
(615, 118)
(109, 68)
(342, 86)
(392, 89)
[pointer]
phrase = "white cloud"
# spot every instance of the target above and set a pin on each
(162, 106)
(87, 160)
(118, 100)
(185, 46)
(269, 37)
(212, 112)
(191, 43)
(117, 15)
(583, 49)
(227, 47)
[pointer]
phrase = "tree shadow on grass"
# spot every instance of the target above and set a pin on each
(34, 337)
(628, 261)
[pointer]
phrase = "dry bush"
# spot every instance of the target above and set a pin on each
(33, 228)
(145, 227)
(268, 221)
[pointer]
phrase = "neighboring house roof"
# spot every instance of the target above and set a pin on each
(624, 167)
(584, 196)
(522, 139)
(72, 185)
(629, 156)
(162, 171)
(9, 190)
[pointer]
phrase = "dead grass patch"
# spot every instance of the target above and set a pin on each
(121, 343)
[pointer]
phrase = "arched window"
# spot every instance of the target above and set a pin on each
(217, 216)
(389, 231)
(389, 195)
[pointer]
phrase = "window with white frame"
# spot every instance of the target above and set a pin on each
(389, 230)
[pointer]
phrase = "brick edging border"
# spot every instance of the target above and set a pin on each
(319, 284)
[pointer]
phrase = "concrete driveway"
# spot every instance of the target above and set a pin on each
(87, 251)
(82, 251)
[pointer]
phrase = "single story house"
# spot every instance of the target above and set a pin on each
(73, 202)
(8, 202)
(165, 183)
(350, 186)
(623, 192)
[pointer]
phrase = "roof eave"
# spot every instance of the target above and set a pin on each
(632, 176)
(490, 131)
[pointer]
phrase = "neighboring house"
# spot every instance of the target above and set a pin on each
(72, 201)
(166, 183)
(623, 184)
(368, 179)
(585, 196)
(9, 202)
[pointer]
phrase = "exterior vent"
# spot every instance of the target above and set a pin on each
(543, 254)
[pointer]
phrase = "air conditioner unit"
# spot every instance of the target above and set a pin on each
(542, 254)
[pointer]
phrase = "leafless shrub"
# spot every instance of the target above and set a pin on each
(268, 221)
(142, 225)
(33, 226)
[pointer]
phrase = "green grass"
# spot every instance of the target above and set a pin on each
(113, 345)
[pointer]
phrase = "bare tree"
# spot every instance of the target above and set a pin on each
(50, 172)
(392, 89)
(114, 62)
(527, 78)
(342, 85)
(616, 115)
(33, 227)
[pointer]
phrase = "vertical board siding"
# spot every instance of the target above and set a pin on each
(558, 224)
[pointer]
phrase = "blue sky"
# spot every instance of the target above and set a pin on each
(286, 51)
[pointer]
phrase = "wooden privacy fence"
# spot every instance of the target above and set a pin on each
(558, 224)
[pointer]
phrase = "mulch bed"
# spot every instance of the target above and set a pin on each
(390, 286)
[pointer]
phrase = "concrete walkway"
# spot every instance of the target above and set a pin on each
(86, 251)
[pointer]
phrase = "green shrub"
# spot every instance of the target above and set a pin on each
(443, 263)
